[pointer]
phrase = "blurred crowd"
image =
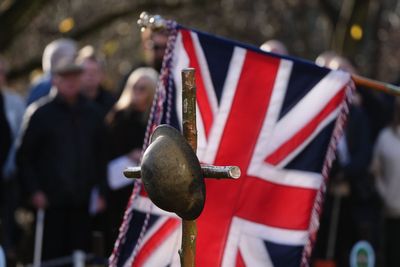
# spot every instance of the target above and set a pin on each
(64, 147)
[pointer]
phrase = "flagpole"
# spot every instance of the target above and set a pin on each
(375, 85)
(156, 22)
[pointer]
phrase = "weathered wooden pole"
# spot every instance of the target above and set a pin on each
(187, 252)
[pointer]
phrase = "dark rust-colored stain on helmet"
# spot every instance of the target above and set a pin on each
(171, 174)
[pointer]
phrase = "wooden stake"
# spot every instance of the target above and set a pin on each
(189, 228)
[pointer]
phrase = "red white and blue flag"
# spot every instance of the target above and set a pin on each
(278, 119)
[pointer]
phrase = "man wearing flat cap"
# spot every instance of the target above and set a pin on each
(60, 160)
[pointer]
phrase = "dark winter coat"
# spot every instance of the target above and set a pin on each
(61, 151)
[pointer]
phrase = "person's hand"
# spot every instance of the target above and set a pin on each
(39, 200)
(135, 154)
(101, 204)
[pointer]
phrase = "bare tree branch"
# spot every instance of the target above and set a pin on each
(108, 18)
(331, 11)
(16, 17)
(90, 28)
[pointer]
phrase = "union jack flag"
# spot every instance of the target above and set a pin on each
(278, 119)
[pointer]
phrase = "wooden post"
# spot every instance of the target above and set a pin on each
(189, 228)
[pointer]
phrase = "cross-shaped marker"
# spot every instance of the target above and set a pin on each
(189, 229)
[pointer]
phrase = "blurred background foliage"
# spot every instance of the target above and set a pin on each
(365, 31)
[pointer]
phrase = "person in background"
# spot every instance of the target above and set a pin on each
(274, 46)
(92, 88)
(53, 52)
(126, 126)
(5, 129)
(154, 44)
(324, 59)
(60, 159)
(386, 167)
(378, 106)
(12, 109)
(92, 78)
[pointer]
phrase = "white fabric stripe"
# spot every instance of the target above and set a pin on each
(258, 168)
(301, 114)
(309, 180)
(128, 262)
(248, 236)
(166, 253)
(144, 204)
(274, 108)
(181, 61)
(176, 261)
(272, 234)
(205, 73)
(331, 117)
(271, 133)
(154, 228)
(201, 135)
(230, 86)
(254, 252)
(232, 244)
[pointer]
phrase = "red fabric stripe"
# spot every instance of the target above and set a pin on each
(276, 205)
(143, 192)
(202, 98)
(236, 148)
(239, 260)
(290, 145)
(155, 241)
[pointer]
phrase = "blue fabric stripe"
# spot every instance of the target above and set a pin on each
(284, 255)
(135, 227)
(251, 47)
(302, 79)
(218, 55)
(310, 158)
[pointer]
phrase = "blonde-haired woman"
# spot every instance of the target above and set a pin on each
(126, 126)
(138, 91)
(127, 120)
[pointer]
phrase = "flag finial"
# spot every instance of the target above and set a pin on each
(154, 22)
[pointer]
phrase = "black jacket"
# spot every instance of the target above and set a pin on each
(61, 150)
(105, 100)
(5, 135)
(125, 131)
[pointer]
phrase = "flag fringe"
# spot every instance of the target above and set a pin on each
(330, 157)
(163, 95)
